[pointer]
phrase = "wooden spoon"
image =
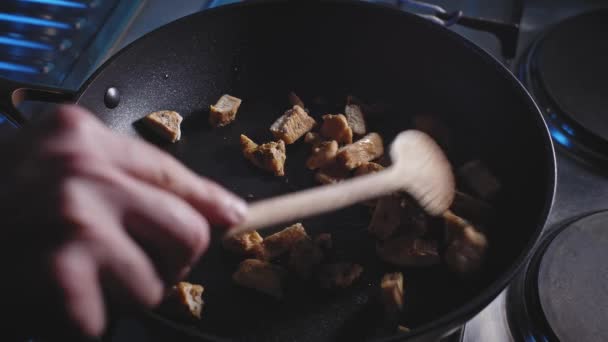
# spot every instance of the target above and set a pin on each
(419, 168)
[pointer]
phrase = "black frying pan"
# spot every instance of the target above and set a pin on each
(261, 51)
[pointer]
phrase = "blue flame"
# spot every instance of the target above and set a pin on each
(33, 21)
(25, 43)
(18, 68)
(560, 137)
(568, 129)
(64, 3)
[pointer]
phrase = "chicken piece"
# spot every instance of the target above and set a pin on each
(166, 124)
(292, 125)
(356, 119)
(283, 241)
(243, 243)
(324, 241)
(479, 179)
(295, 100)
(186, 300)
(224, 110)
(367, 168)
(435, 128)
(386, 217)
(313, 138)
(261, 276)
(408, 251)
(335, 127)
(304, 257)
(467, 206)
(392, 292)
(365, 149)
(270, 156)
(332, 173)
(322, 154)
(466, 245)
(339, 275)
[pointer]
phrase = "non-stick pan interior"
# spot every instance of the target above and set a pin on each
(261, 52)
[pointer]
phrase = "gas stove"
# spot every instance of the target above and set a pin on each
(560, 57)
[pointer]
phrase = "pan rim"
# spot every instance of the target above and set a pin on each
(461, 314)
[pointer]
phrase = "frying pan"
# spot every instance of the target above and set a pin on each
(261, 51)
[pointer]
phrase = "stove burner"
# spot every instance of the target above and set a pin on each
(562, 296)
(567, 73)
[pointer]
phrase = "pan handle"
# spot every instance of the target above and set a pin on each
(507, 33)
(13, 93)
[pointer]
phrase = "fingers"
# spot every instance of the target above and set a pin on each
(151, 165)
(174, 232)
(76, 275)
(128, 270)
(143, 161)
(94, 208)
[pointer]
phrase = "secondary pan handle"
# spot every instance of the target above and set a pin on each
(13, 93)
(507, 33)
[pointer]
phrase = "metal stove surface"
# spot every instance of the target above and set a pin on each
(580, 188)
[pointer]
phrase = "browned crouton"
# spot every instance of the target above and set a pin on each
(367, 168)
(454, 225)
(313, 138)
(414, 220)
(304, 257)
(392, 291)
(408, 251)
(322, 154)
(295, 100)
(224, 111)
(466, 245)
(365, 149)
(479, 179)
(397, 213)
(386, 217)
(292, 125)
(283, 241)
(261, 276)
(243, 243)
(339, 275)
(270, 156)
(185, 299)
(166, 124)
(355, 118)
(335, 127)
(324, 241)
(332, 173)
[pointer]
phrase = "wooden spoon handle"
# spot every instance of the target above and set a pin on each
(318, 200)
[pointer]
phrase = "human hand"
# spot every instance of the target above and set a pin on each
(90, 216)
